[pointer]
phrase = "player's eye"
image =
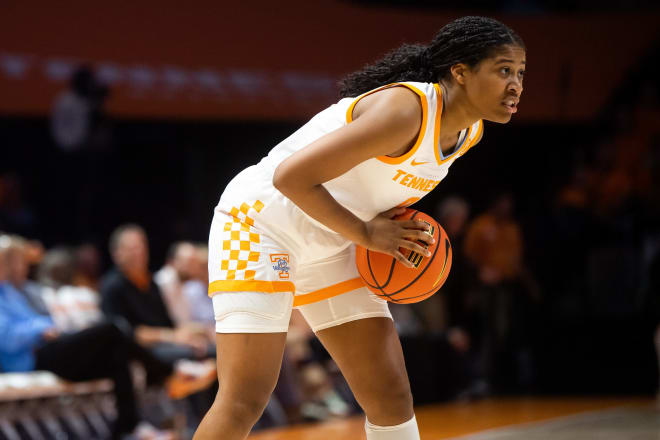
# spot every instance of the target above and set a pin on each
(505, 70)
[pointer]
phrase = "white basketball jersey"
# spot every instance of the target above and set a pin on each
(381, 183)
(366, 190)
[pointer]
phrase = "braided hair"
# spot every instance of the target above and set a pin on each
(467, 40)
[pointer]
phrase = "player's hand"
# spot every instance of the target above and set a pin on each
(386, 235)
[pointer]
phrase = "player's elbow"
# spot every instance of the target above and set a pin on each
(293, 182)
(282, 180)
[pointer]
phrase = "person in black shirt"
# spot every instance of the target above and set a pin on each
(130, 297)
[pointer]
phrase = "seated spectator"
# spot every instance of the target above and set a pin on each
(18, 266)
(30, 341)
(87, 267)
(170, 278)
(184, 284)
(306, 386)
(72, 308)
(130, 295)
(196, 291)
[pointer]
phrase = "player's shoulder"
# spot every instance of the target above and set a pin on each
(395, 101)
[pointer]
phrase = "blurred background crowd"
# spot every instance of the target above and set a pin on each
(108, 180)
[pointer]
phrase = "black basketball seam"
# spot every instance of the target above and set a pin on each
(448, 248)
(389, 278)
(377, 286)
(389, 296)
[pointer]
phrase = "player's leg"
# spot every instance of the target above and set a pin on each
(248, 367)
(251, 324)
(369, 354)
(357, 330)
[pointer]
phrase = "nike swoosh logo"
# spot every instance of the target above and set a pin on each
(413, 163)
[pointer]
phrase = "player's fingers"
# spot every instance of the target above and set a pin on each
(407, 244)
(390, 213)
(415, 224)
(401, 259)
(416, 234)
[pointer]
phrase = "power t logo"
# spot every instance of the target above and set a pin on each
(281, 265)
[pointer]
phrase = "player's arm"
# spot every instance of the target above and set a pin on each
(384, 125)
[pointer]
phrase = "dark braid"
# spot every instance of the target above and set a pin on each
(467, 40)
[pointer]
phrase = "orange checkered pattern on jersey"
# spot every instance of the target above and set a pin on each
(240, 243)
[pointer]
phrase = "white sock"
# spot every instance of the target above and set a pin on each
(404, 431)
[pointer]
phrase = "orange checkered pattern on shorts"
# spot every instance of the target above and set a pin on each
(239, 243)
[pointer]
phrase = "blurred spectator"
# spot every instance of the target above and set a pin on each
(576, 193)
(72, 308)
(462, 321)
(87, 267)
(452, 320)
(129, 293)
(30, 341)
(570, 225)
(179, 268)
(195, 291)
(18, 265)
(452, 214)
(505, 294)
(310, 388)
(494, 243)
(78, 117)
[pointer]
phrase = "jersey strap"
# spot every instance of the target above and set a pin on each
(422, 130)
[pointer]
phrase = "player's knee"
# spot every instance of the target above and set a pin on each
(399, 397)
(390, 402)
(246, 407)
(249, 410)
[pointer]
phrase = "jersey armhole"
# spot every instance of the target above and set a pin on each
(422, 129)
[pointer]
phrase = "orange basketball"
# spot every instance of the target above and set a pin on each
(391, 280)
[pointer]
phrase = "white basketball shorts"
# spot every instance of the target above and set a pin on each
(255, 281)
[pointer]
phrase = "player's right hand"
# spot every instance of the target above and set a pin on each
(387, 235)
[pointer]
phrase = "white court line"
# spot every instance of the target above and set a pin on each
(555, 422)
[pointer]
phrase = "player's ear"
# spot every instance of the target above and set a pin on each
(459, 72)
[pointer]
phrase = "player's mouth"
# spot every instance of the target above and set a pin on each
(511, 105)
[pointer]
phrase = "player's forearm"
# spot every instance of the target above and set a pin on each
(317, 202)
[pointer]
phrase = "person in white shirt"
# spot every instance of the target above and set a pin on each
(179, 268)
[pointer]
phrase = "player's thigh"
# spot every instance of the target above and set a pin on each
(349, 300)
(250, 334)
(357, 329)
(249, 365)
(369, 354)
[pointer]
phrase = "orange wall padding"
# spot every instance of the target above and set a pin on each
(281, 60)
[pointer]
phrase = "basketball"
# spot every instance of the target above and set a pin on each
(394, 282)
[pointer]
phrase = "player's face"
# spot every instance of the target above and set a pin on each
(496, 84)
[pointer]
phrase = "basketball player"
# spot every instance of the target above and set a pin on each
(283, 231)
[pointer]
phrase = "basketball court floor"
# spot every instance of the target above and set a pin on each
(509, 419)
